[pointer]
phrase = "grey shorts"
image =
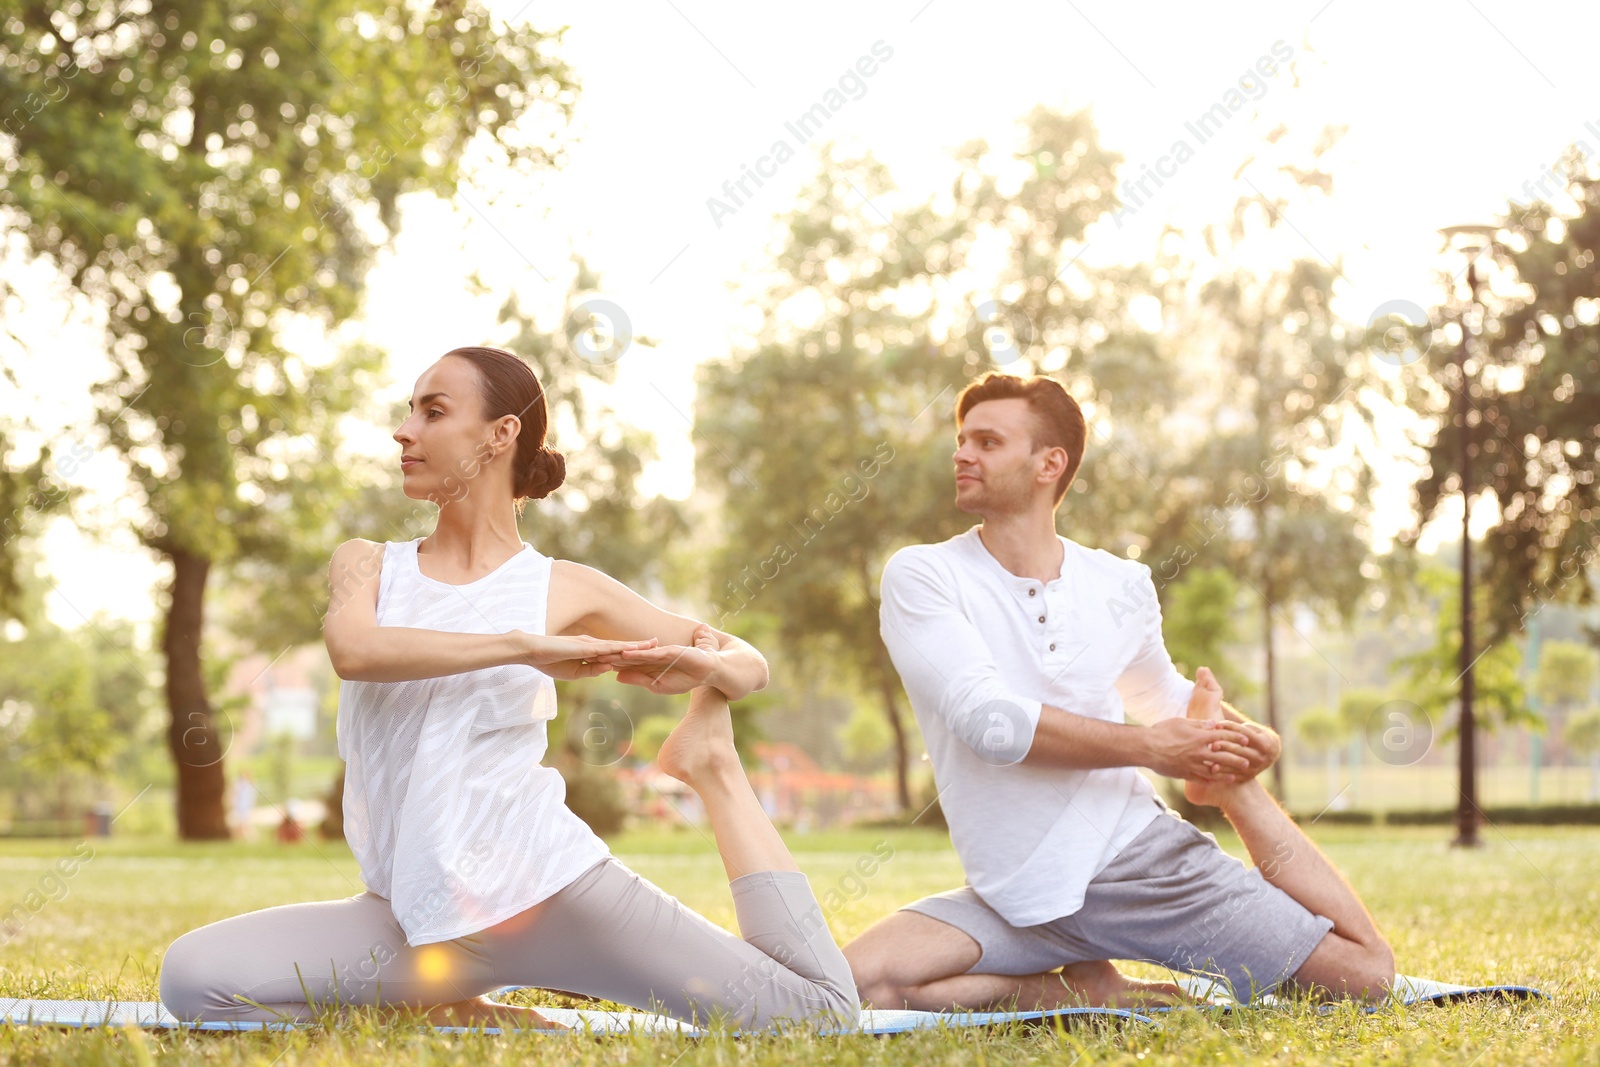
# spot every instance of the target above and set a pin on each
(1172, 897)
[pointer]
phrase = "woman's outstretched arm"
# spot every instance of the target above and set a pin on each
(362, 651)
(584, 600)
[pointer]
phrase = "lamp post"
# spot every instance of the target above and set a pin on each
(1471, 241)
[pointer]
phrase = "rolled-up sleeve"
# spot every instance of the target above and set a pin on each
(945, 664)
(1151, 686)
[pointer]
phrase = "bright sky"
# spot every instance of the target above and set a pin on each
(1452, 107)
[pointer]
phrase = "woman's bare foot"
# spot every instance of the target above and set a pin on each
(1206, 703)
(700, 753)
(700, 748)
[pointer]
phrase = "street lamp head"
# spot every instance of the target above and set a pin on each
(1471, 238)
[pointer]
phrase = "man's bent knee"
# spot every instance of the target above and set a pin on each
(1348, 968)
(905, 951)
(883, 993)
(872, 976)
(1373, 973)
(1381, 968)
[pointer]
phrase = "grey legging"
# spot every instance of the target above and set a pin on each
(609, 934)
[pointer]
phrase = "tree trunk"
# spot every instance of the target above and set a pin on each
(1272, 687)
(889, 687)
(191, 734)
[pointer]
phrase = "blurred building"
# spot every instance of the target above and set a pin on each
(793, 789)
(282, 696)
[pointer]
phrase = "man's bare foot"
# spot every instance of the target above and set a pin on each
(701, 745)
(1205, 703)
(481, 1011)
(1101, 985)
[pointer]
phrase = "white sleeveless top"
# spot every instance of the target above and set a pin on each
(446, 805)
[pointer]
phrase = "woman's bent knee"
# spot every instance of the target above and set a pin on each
(835, 1006)
(188, 979)
(844, 1002)
(817, 1003)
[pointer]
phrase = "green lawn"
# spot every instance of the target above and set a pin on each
(1524, 909)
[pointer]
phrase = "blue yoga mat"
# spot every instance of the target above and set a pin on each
(147, 1014)
(151, 1015)
(1406, 990)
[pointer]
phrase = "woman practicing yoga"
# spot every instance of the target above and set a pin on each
(477, 874)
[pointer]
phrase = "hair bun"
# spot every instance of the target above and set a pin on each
(544, 475)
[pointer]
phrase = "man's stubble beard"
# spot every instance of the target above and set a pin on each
(994, 501)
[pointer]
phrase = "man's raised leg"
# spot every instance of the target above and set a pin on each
(1353, 959)
(910, 960)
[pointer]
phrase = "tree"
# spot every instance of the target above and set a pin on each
(1583, 737)
(1566, 673)
(1197, 620)
(30, 493)
(79, 699)
(865, 738)
(1433, 672)
(204, 174)
(649, 735)
(828, 434)
(1358, 709)
(1284, 376)
(1533, 412)
(1563, 681)
(1323, 730)
(804, 437)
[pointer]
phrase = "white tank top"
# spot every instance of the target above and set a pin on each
(446, 805)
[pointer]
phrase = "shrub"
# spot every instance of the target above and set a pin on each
(594, 795)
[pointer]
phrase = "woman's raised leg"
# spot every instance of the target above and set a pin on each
(777, 912)
(700, 754)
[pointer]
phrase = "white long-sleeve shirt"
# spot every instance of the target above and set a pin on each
(980, 650)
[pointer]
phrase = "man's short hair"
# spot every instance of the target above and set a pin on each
(1057, 419)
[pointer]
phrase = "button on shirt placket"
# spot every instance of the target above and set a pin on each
(1065, 619)
(1039, 607)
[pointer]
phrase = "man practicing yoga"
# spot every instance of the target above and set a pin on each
(1020, 651)
(477, 874)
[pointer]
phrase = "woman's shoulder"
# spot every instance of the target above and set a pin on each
(572, 575)
(358, 550)
(576, 590)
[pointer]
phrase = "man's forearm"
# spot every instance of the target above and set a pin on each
(404, 653)
(1066, 739)
(1177, 747)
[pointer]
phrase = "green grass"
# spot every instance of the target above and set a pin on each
(1376, 786)
(1525, 909)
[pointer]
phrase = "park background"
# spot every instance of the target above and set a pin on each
(1292, 260)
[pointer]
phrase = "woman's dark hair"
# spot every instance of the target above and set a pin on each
(509, 387)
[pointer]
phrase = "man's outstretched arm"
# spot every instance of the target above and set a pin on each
(1205, 750)
(1154, 692)
(946, 665)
